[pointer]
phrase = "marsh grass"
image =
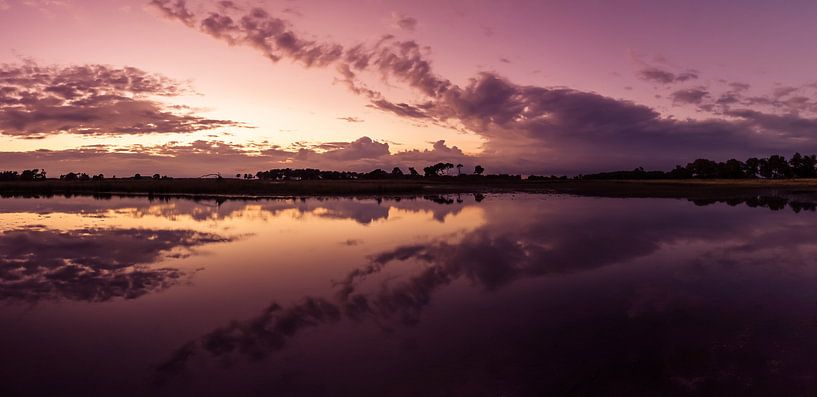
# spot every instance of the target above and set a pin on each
(685, 188)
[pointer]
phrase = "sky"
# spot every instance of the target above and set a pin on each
(186, 88)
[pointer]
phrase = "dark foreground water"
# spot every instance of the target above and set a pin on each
(501, 296)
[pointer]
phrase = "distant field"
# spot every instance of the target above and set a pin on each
(238, 187)
(688, 188)
(800, 189)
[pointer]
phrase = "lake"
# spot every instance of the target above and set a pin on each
(496, 295)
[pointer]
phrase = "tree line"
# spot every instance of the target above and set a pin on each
(434, 170)
(25, 175)
(772, 167)
(37, 174)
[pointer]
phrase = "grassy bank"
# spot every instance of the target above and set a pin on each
(237, 187)
(689, 188)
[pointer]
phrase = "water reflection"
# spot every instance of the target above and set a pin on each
(774, 203)
(91, 264)
(364, 211)
(504, 295)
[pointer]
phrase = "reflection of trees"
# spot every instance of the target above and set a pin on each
(360, 210)
(91, 264)
(774, 203)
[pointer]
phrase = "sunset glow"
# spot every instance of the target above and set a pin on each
(524, 87)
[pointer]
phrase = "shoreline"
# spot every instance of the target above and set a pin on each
(801, 189)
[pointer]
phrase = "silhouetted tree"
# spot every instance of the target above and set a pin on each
(680, 173)
(803, 166)
(413, 172)
(753, 166)
(437, 169)
(9, 176)
(777, 167)
(732, 169)
(459, 169)
(396, 172)
(32, 175)
(281, 174)
(703, 168)
(478, 170)
(377, 174)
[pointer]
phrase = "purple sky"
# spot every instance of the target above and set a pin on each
(192, 87)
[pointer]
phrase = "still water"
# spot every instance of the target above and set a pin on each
(505, 295)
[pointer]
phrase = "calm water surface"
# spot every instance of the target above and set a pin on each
(502, 296)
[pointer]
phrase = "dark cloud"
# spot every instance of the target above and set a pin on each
(267, 34)
(689, 96)
(738, 86)
(404, 22)
(686, 75)
(178, 9)
(786, 126)
(400, 109)
(799, 100)
(362, 148)
(658, 75)
(91, 264)
(37, 101)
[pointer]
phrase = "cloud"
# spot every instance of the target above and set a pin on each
(526, 128)
(657, 75)
(404, 22)
(37, 101)
(275, 39)
(258, 29)
(400, 109)
(204, 157)
(362, 148)
(175, 9)
(351, 119)
(689, 96)
(738, 86)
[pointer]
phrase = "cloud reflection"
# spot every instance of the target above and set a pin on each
(683, 328)
(91, 264)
